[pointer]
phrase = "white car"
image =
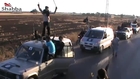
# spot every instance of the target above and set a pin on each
(124, 33)
(135, 28)
(97, 39)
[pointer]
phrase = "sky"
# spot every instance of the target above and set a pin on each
(79, 6)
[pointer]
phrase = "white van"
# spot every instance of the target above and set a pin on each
(97, 39)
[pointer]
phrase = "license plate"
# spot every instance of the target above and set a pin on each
(88, 48)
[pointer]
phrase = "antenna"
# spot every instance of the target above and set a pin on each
(106, 12)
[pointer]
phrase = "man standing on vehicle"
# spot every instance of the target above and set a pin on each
(115, 45)
(51, 46)
(46, 19)
(81, 34)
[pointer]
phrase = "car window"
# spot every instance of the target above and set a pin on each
(29, 53)
(134, 25)
(94, 34)
(124, 29)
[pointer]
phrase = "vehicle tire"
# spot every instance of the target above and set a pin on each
(101, 49)
(138, 31)
(126, 37)
(130, 36)
(63, 74)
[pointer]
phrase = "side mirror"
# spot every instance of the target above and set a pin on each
(105, 36)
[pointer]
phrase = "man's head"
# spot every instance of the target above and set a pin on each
(46, 8)
(48, 38)
(102, 73)
(60, 38)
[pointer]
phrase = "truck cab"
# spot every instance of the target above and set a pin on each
(31, 61)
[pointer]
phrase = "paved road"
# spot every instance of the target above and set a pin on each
(125, 66)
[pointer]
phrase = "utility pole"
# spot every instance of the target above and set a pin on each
(106, 12)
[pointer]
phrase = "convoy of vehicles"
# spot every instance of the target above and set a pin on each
(31, 62)
(97, 39)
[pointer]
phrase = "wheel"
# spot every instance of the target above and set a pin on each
(63, 74)
(101, 49)
(126, 37)
(130, 36)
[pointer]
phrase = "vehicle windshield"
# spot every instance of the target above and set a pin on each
(134, 26)
(123, 29)
(29, 53)
(94, 34)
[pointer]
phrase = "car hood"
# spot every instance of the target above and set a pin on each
(16, 65)
(91, 40)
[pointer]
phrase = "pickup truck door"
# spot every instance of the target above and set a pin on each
(62, 63)
(46, 69)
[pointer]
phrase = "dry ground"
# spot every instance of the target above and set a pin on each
(15, 29)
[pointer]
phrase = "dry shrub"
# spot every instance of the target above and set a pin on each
(2, 57)
(73, 36)
(6, 52)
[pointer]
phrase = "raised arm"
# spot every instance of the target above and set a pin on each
(54, 11)
(40, 8)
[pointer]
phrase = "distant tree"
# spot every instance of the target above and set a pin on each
(102, 14)
(122, 16)
(92, 14)
(34, 11)
(87, 13)
(98, 14)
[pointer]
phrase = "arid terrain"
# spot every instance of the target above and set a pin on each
(15, 29)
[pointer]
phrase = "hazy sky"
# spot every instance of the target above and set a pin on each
(115, 6)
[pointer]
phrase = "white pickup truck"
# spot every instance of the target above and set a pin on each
(124, 33)
(31, 61)
(135, 27)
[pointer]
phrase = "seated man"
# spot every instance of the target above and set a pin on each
(51, 47)
(59, 47)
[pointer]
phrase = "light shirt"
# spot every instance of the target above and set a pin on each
(51, 47)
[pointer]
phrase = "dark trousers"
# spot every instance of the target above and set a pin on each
(46, 24)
